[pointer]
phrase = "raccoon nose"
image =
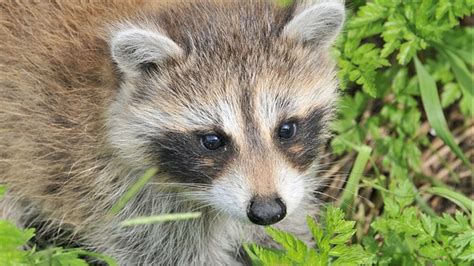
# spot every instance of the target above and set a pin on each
(266, 211)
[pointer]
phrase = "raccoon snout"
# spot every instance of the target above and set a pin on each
(266, 211)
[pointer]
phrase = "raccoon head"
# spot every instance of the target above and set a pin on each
(238, 102)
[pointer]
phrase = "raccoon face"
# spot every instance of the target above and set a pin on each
(242, 115)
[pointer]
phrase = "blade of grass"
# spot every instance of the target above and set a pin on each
(467, 57)
(460, 71)
(142, 181)
(284, 3)
(351, 189)
(456, 197)
(161, 218)
(432, 106)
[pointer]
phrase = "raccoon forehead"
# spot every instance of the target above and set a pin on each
(233, 110)
(234, 104)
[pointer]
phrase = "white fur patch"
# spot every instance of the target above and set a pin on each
(291, 188)
(231, 195)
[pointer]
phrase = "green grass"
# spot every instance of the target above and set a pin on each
(161, 218)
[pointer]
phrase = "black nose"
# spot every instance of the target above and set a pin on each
(266, 211)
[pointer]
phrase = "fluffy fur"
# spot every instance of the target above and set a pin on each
(91, 95)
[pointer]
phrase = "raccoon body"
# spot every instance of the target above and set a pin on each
(230, 100)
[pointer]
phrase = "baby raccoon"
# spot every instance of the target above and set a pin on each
(230, 100)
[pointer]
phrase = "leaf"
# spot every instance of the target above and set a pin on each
(466, 106)
(369, 13)
(265, 256)
(316, 229)
(343, 227)
(295, 248)
(353, 255)
(431, 252)
(464, 239)
(391, 206)
(468, 254)
(393, 30)
(12, 237)
(400, 80)
(456, 225)
(339, 250)
(332, 217)
(407, 51)
(249, 248)
(342, 238)
(58, 256)
(404, 193)
(442, 8)
(450, 94)
(432, 106)
(428, 224)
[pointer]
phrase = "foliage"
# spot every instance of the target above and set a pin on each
(377, 52)
(14, 249)
(401, 63)
(403, 235)
(332, 238)
(410, 237)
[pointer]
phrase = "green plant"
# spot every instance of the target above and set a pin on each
(332, 239)
(408, 236)
(377, 52)
(403, 66)
(403, 235)
(14, 249)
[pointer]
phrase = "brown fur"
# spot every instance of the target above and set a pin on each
(55, 83)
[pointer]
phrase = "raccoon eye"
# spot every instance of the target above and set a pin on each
(212, 141)
(287, 130)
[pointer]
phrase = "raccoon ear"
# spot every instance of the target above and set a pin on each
(134, 49)
(318, 23)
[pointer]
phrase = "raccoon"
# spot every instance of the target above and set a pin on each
(230, 100)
